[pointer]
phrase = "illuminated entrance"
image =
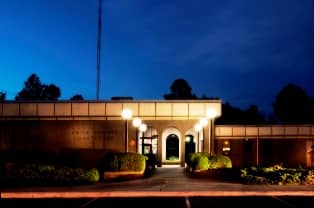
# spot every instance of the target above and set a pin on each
(172, 148)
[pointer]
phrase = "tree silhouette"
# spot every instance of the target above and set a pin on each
(35, 90)
(2, 96)
(77, 97)
(180, 90)
(292, 105)
(234, 115)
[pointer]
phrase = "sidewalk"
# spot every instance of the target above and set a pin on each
(166, 182)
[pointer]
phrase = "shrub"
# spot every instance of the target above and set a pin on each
(47, 174)
(219, 161)
(124, 162)
(92, 175)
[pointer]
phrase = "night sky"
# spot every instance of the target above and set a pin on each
(242, 51)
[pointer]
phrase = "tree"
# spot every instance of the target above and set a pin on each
(77, 97)
(180, 90)
(35, 90)
(234, 115)
(2, 96)
(50, 92)
(292, 105)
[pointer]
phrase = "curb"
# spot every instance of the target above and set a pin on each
(38, 195)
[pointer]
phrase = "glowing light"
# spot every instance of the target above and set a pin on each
(143, 127)
(137, 122)
(203, 122)
(198, 127)
(126, 113)
(211, 113)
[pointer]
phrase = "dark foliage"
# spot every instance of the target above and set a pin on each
(233, 115)
(35, 90)
(2, 96)
(77, 97)
(293, 105)
(180, 90)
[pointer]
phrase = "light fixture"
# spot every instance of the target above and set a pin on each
(126, 113)
(137, 122)
(143, 127)
(211, 113)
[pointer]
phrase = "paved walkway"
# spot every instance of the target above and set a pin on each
(166, 181)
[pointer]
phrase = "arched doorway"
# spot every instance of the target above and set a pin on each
(172, 147)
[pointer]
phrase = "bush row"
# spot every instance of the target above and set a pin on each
(204, 161)
(21, 173)
(124, 162)
(277, 175)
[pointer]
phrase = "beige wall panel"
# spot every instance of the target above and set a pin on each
(164, 118)
(97, 118)
(81, 118)
(10, 109)
(264, 131)
(148, 118)
(147, 109)
(47, 118)
(223, 131)
(113, 109)
(239, 131)
(45, 109)
(197, 109)
(291, 130)
(80, 109)
(115, 118)
(180, 118)
(64, 118)
(97, 109)
(304, 130)
(133, 107)
(278, 130)
(180, 109)
(251, 131)
(62, 109)
(163, 109)
(28, 109)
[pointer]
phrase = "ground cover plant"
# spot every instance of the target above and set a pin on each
(277, 175)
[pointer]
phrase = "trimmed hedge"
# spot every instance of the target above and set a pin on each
(23, 173)
(204, 161)
(277, 175)
(124, 162)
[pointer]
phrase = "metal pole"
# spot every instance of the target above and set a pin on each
(98, 47)
(142, 143)
(211, 138)
(136, 140)
(203, 139)
(257, 151)
(198, 141)
(126, 135)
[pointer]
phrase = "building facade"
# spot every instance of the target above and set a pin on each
(170, 129)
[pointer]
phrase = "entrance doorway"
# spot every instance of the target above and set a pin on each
(189, 145)
(172, 147)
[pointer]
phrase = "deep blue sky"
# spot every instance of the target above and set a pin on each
(242, 51)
